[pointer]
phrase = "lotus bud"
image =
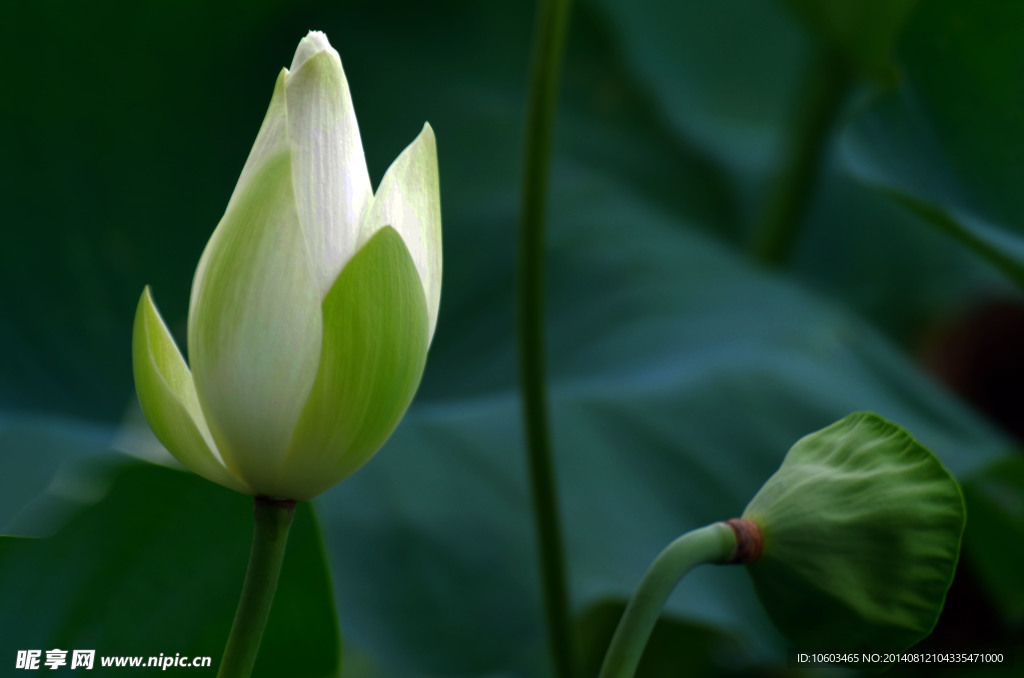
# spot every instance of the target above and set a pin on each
(313, 304)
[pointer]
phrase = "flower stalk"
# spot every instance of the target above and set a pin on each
(272, 519)
(715, 543)
(552, 24)
(824, 90)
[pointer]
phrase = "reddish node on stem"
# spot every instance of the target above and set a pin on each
(749, 541)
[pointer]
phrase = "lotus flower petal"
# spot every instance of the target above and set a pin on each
(409, 200)
(254, 325)
(332, 185)
(374, 350)
(168, 397)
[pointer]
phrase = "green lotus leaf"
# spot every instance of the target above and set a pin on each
(862, 528)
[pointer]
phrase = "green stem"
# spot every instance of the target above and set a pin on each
(711, 544)
(270, 536)
(824, 90)
(552, 23)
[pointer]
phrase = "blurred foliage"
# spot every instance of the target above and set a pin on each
(681, 373)
(145, 572)
(703, 650)
(948, 141)
(864, 31)
(997, 499)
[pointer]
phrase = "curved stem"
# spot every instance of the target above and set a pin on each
(552, 23)
(270, 536)
(823, 93)
(714, 543)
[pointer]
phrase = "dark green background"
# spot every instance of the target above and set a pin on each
(680, 371)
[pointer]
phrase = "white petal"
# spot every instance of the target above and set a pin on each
(329, 172)
(314, 43)
(409, 200)
(254, 327)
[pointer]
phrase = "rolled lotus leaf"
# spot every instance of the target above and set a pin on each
(862, 528)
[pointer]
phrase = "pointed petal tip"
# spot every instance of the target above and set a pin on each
(311, 45)
(426, 136)
(325, 62)
(145, 312)
(318, 37)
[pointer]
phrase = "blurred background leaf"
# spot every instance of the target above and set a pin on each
(948, 142)
(45, 457)
(681, 373)
(997, 498)
(863, 31)
(156, 567)
(709, 371)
